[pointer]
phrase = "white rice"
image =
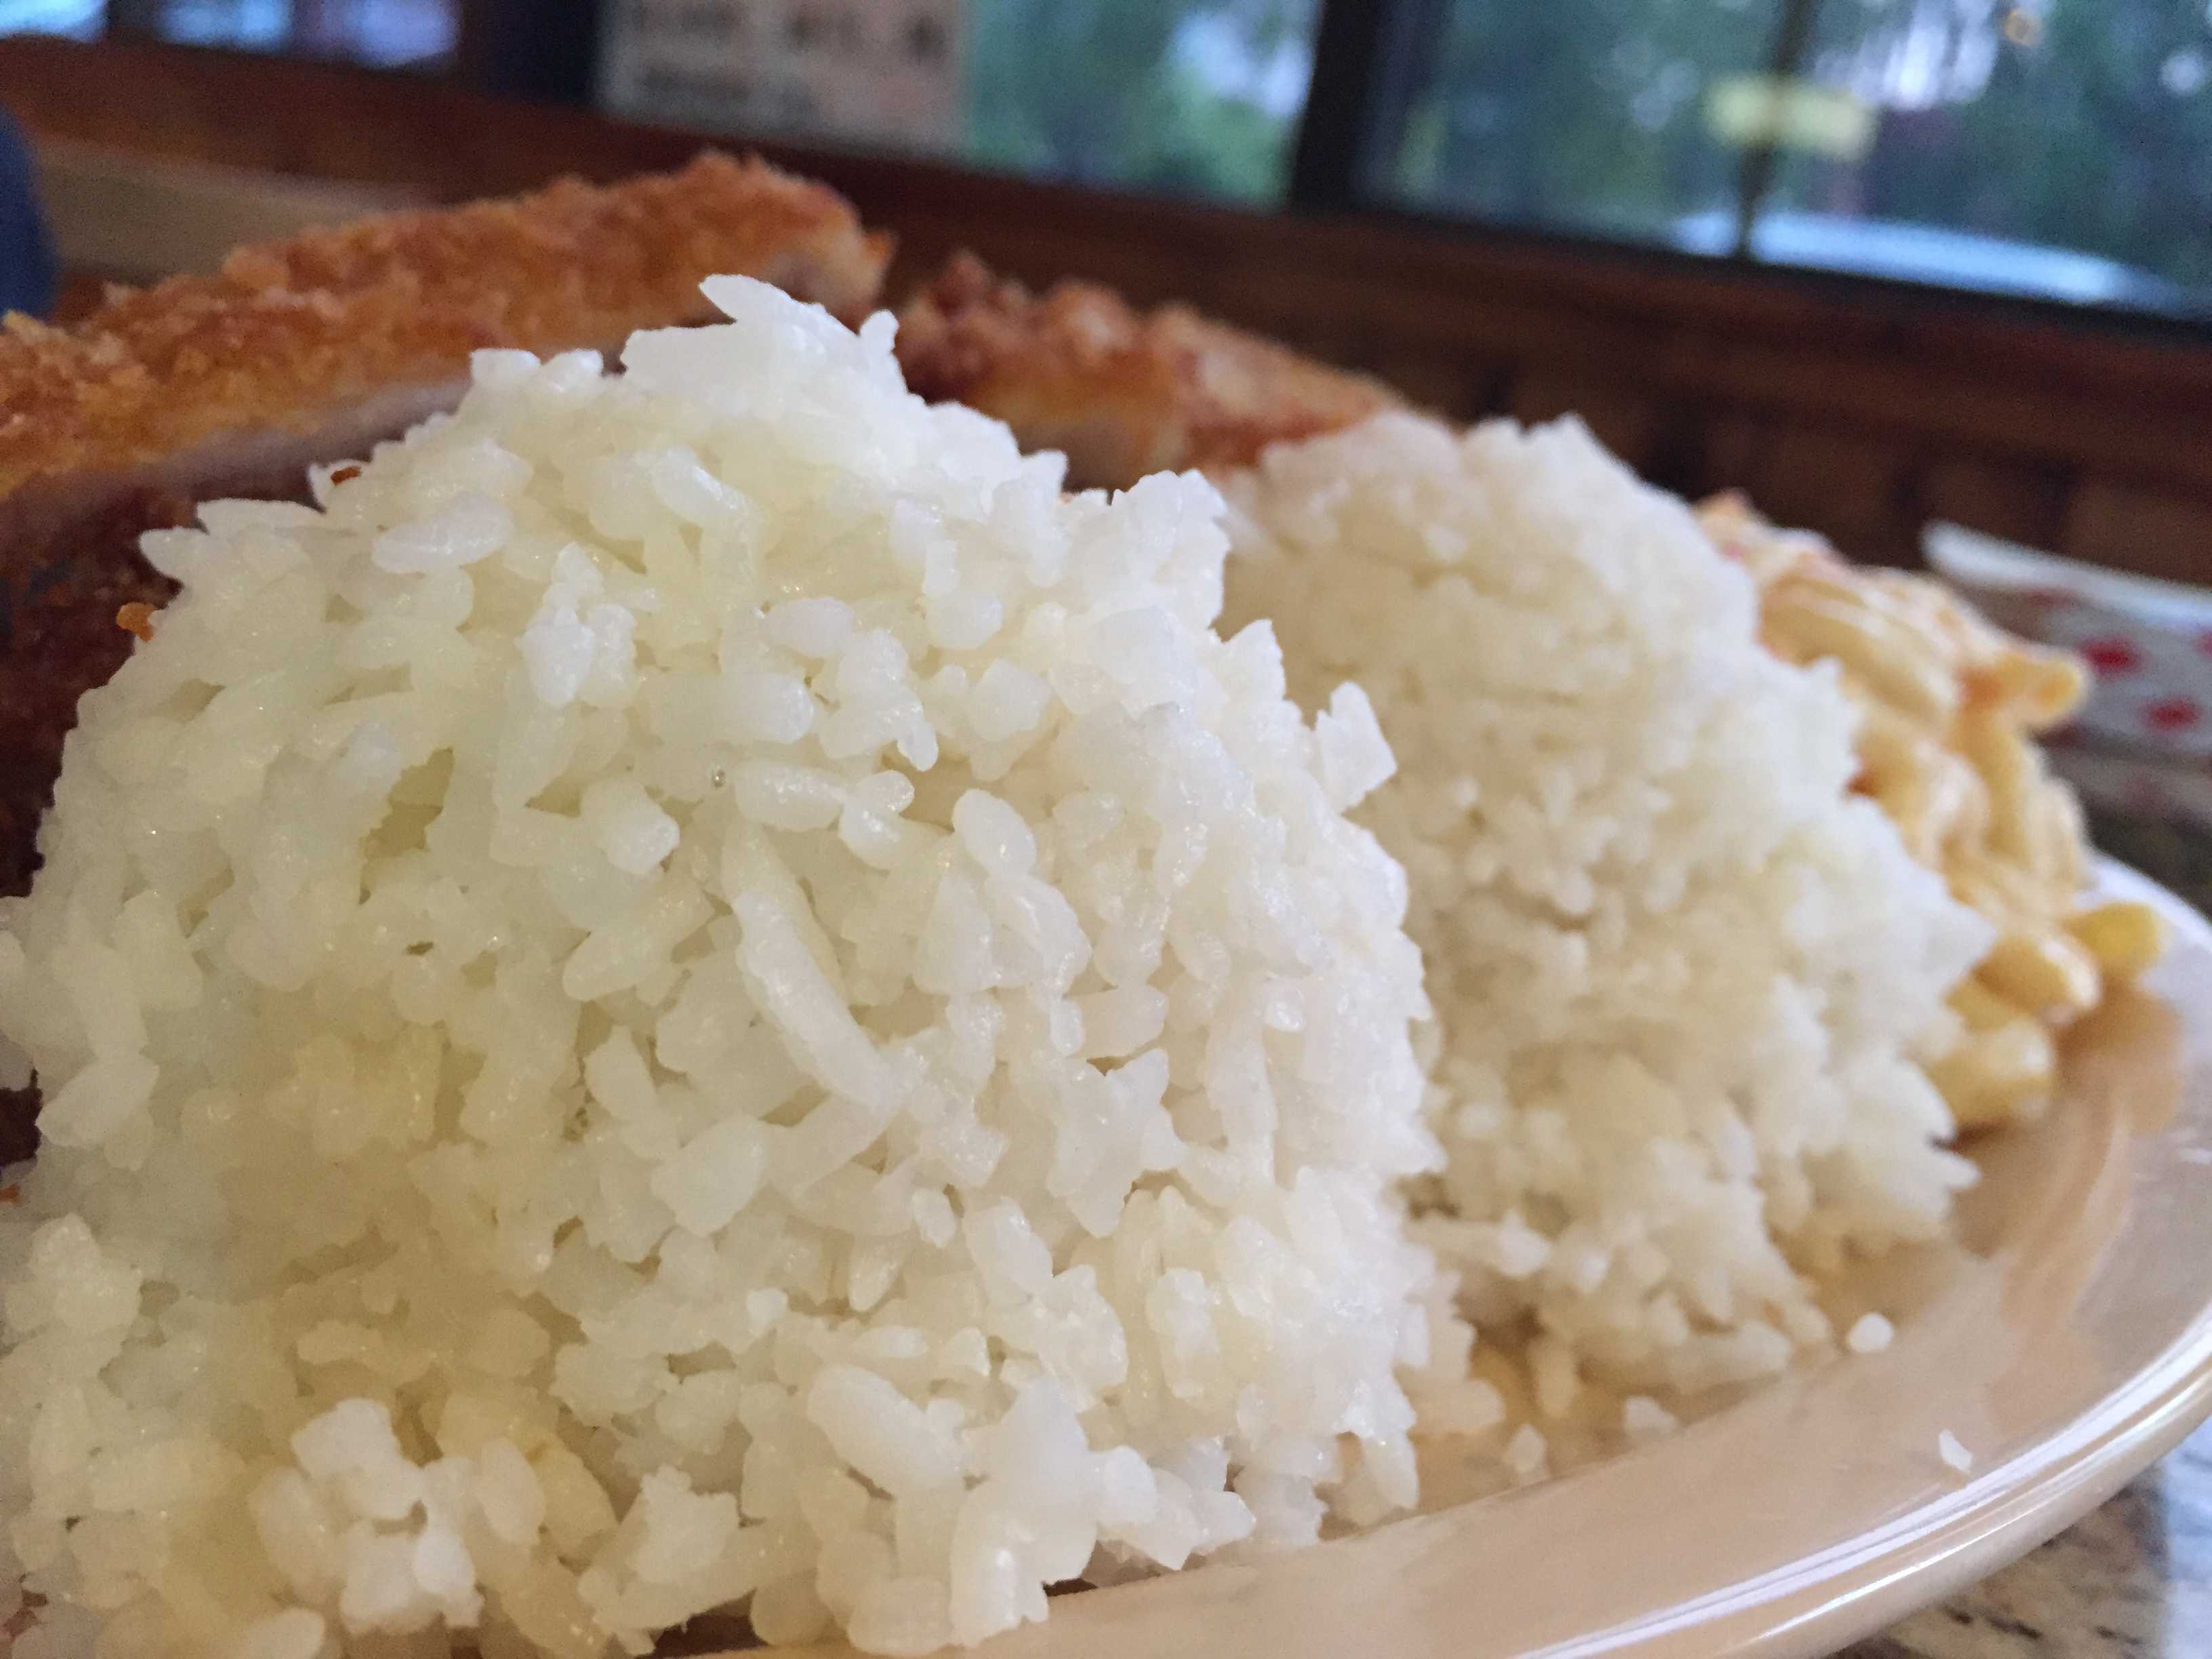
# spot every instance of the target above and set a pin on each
(1869, 1333)
(697, 993)
(697, 988)
(1681, 975)
(1527, 1454)
(1643, 1417)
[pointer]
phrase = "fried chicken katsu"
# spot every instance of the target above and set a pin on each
(311, 350)
(1121, 393)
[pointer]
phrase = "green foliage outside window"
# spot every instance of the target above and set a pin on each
(1107, 92)
(2084, 124)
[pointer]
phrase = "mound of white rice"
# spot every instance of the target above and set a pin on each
(1680, 974)
(697, 988)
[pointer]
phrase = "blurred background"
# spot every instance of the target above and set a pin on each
(1883, 263)
(2033, 148)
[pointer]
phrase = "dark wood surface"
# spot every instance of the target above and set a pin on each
(1862, 410)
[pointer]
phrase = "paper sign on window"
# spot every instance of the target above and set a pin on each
(868, 71)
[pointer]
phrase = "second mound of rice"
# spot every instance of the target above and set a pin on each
(1681, 974)
(696, 988)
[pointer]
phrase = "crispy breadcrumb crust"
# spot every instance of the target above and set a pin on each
(310, 349)
(286, 332)
(164, 396)
(1120, 393)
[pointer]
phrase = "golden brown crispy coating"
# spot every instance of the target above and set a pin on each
(1121, 394)
(285, 333)
(312, 349)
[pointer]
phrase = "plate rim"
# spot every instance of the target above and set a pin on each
(1803, 1608)
(1999, 1517)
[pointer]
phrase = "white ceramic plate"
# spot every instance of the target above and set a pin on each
(2068, 1347)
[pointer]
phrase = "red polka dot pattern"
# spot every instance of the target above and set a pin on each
(2113, 654)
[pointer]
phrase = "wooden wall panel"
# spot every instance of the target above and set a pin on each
(2155, 533)
(1629, 422)
(1858, 484)
(2024, 501)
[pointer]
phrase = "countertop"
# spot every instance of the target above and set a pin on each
(2134, 1581)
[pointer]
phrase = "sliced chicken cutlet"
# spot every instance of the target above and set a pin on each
(1120, 393)
(311, 351)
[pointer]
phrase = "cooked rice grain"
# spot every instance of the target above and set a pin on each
(1682, 976)
(696, 987)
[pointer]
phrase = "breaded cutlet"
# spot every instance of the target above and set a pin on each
(312, 349)
(1121, 393)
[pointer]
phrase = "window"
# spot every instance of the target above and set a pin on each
(1173, 95)
(1194, 96)
(390, 34)
(1578, 115)
(2054, 149)
(2064, 147)
(79, 18)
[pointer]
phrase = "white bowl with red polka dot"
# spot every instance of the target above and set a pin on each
(2150, 643)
